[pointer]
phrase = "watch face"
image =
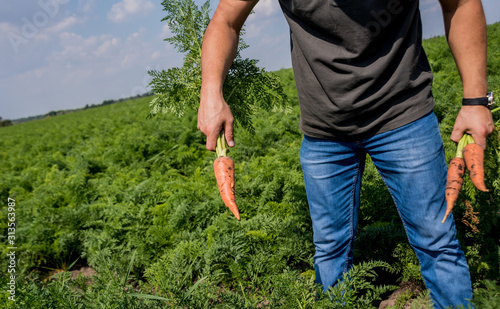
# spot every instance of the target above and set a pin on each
(491, 102)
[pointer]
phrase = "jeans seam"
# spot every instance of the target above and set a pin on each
(351, 206)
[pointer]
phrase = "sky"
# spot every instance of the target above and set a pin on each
(65, 54)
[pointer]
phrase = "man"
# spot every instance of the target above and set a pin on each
(364, 87)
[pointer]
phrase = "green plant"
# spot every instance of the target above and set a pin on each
(487, 297)
(422, 301)
(357, 288)
(407, 264)
(407, 298)
(402, 300)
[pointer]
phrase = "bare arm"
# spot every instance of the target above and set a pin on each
(218, 51)
(465, 27)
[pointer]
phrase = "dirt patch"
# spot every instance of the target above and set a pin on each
(85, 271)
(404, 287)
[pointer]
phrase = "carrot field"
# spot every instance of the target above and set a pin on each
(134, 200)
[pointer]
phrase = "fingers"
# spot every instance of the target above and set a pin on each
(480, 140)
(212, 119)
(456, 134)
(229, 133)
(212, 140)
(476, 121)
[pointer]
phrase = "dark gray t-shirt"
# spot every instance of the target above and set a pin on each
(359, 66)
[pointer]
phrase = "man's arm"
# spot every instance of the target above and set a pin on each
(219, 48)
(465, 27)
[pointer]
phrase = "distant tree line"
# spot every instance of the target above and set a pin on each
(62, 112)
(107, 102)
(5, 123)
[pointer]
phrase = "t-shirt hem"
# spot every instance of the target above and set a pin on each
(391, 125)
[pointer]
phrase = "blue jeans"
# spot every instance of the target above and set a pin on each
(411, 161)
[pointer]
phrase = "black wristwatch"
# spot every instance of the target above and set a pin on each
(485, 101)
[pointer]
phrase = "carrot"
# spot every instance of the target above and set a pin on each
(469, 156)
(454, 182)
(454, 179)
(224, 174)
(474, 157)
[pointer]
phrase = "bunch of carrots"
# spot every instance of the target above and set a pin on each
(469, 156)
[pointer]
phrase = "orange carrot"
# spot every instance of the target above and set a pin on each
(469, 155)
(454, 179)
(224, 174)
(454, 182)
(474, 157)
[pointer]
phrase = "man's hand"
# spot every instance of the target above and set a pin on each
(476, 121)
(215, 115)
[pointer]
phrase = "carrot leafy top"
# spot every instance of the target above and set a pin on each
(464, 141)
(246, 85)
(221, 148)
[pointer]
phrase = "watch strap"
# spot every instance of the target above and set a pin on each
(475, 101)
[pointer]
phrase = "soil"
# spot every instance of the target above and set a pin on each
(85, 271)
(403, 287)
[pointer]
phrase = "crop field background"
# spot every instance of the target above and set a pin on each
(133, 200)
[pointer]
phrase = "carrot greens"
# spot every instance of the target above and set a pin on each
(246, 86)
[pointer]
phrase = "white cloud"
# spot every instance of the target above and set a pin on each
(63, 25)
(429, 7)
(86, 5)
(122, 10)
(266, 8)
(265, 14)
(6, 31)
(165, 32)
(253, 30)
(104, 60)
(156, 55)
(103, 50)
(106, 46)
(6, 27)
(21, 39)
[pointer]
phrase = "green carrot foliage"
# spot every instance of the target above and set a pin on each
(246, 85)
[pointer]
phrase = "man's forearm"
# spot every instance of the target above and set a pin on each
(219, 48)
(465, 26)
(220, 44)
